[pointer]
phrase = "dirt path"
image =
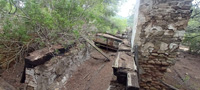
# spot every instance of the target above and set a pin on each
(94, 74)
(185, 74)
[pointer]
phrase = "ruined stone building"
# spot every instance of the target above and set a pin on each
(158, 31)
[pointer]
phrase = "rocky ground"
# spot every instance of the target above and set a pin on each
(185, 74)
(96, 74)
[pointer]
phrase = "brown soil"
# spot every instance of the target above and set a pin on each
(185, 74)
(94, 74)
(13, 75)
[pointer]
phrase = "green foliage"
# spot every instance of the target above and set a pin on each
(48, 22)
(121, 24)
(130, 20)
(14, 32)
(187, 78)
(192, 36)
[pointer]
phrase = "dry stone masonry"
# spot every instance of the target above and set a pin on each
(158, 31)
(54, 73)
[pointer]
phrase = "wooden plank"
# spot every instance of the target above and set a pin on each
(126, 62)
(132, 81)
(39, 57)
(99, 50)
(123, 65)
(106, 46)
(115, 64)
(123, 47)
(115, 36)
(109, 36)
(38, 54)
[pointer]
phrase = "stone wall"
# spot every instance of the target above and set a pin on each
(159, 32)
(55, 72)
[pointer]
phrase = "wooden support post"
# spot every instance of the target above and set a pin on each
(99, 50)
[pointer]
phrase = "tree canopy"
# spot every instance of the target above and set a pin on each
(192, 36)
(27, 24)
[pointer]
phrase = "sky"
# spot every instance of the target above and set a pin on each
(195, 1)
(125, 8)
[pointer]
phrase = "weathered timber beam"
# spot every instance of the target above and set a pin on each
(110, 36)
(132, 81)
(99, 50)
(39, 57)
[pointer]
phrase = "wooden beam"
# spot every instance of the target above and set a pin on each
(125, 62)
(132, 81)
(109, 36)
(125, 69)
(93, 45)
(41, 56)
(116, 62)
(38, 54)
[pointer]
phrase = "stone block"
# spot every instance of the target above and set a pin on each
(152, 88)
(163, 68)
(179, 33)
(149, 66)
(171, 27)
(151, 62)
(163, 46)
(169, 32)
(173, 3)
(154, 54)
(158, 63)
(165, 63)
(176, 7)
